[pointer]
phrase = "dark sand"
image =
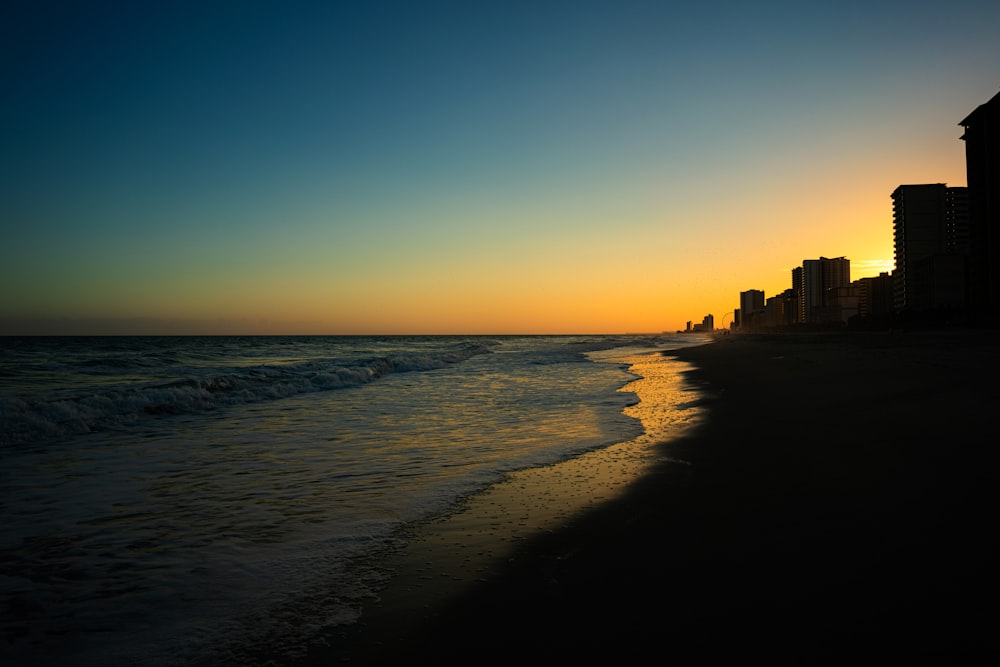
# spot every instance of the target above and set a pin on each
(837, 505)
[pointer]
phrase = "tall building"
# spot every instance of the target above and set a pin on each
(876, 297)
(957, 236)
(982, 165)
(843, 303)
(707, 325)
(781, 310)
(931, 240)
(813, 281)
(797, 291)
(751, 309)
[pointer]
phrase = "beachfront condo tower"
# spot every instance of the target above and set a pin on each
(931, 238)
(751, 309)
(982, 166)
(814, 281)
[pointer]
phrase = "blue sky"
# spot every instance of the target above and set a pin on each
(461, 167)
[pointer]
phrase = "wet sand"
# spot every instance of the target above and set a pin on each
(837, 502)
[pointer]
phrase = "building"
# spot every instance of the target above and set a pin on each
(876, 297)
(707, 325)
(782, 310)
(982, 165)
(958, 232)
(813, 282)
(797, 290)
(843, 303)
(931, 239)
(751, 309)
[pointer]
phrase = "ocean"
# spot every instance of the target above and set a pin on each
(165, 499)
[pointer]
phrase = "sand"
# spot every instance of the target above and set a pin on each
(838, 502)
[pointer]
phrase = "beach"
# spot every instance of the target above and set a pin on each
(228, 500)
(837, 501)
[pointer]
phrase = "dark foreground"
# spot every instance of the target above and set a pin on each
(840, 505)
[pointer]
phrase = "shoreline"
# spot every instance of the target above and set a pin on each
(444, 557)
(839, 499)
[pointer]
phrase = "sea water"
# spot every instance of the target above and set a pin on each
(163, 500)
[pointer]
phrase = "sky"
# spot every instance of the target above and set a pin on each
(461, 167)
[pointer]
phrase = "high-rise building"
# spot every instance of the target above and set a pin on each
(751, 309)
(707, 325)
(931, 240)
(814, 280)
(876, 296)
(781, 310)
(957, 236)
(843, 303)
(982, 165)
(797, 290)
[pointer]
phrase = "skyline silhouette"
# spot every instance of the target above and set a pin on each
(945, 258)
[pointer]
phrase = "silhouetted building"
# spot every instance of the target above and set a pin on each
(751, 309)
(958, 231)
(797, 281)
(781, 310)
(931, 239)
(707, 324)
(813, 282)
(982, 165)
(876, 296)
(843, 302)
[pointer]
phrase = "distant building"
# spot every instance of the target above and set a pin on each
(876, 297)
(813, 282)
(751, 309)
(707, 325)
(982, 164)
(843, 302)
(781, 310)
(797, 281)
(931, 239)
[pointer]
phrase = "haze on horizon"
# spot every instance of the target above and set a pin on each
(390, 168)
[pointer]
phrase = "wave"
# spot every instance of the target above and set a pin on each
(97, 407)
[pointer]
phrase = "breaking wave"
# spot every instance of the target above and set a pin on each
(105, 405)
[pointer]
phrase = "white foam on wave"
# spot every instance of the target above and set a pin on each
(100, 406)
